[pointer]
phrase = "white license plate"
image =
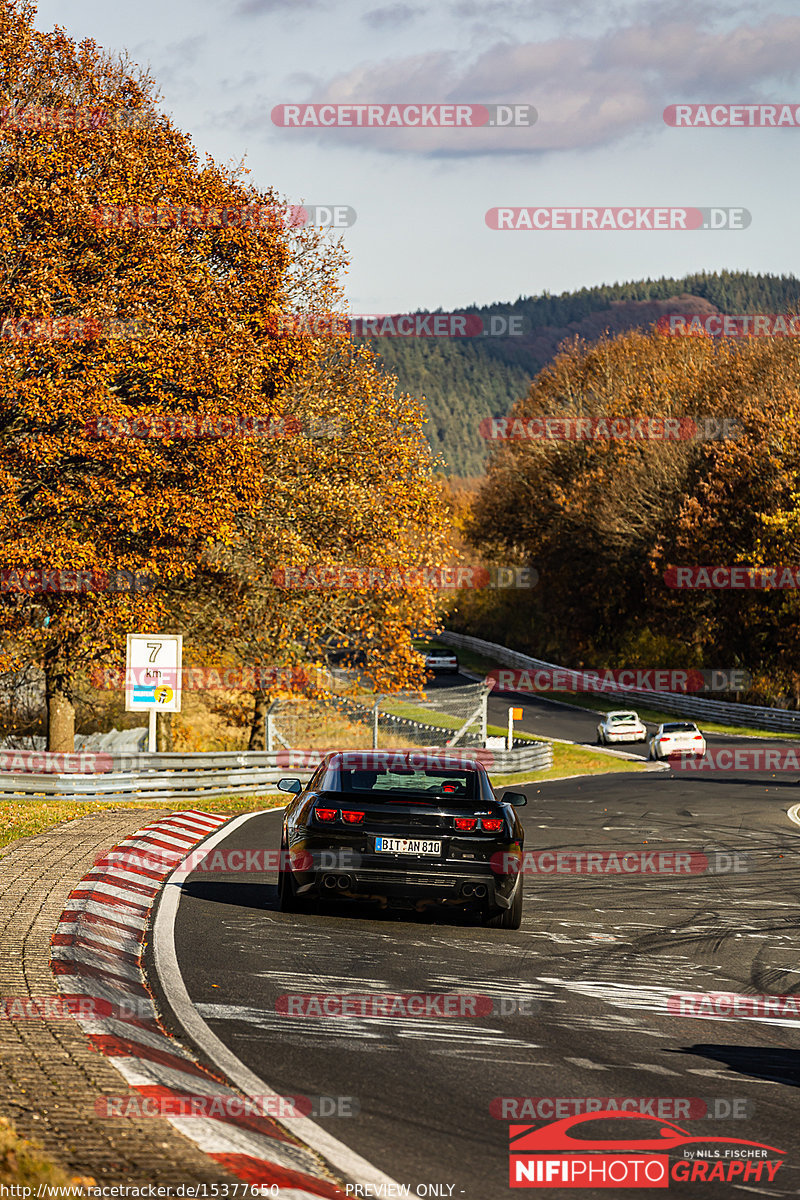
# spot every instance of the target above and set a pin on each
(387, 845)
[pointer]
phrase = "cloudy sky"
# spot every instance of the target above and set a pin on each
(598, 77)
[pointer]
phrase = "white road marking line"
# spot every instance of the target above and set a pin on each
(340, 1156)
(96, 958)
(794, 814)
(98, 909)
(99, 889)
(655, 1069)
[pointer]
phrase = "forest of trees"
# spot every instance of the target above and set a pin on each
(464, 380)
(603, 521)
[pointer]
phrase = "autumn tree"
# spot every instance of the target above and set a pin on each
(202, 298)
(353, 488)
(603, 520)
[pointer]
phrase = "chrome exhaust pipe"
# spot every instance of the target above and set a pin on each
(468, 889)
(329, 881)
(343, 882)
(479, 891)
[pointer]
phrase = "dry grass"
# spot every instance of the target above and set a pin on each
(23, 1164)
(26, 818)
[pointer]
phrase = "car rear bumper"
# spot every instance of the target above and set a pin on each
(437, 882)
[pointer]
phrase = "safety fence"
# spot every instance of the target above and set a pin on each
(147, 777)
(439, 717)
(725, 712)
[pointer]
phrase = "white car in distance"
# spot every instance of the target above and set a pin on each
(621, 726)
(677, 737)
(441, 660)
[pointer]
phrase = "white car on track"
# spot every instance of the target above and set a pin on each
(441, 660)
(621, 726)
(677, 737)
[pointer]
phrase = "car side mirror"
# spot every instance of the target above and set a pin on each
(290, 785)
(518, 799)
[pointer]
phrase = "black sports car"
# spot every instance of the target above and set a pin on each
(408, 829)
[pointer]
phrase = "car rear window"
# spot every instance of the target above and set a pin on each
(387, 784)
(680, 727)
(623, 717)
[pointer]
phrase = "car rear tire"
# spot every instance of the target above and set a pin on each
(287, 895)
(511, 917)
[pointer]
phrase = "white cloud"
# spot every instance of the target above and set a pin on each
(588, 92)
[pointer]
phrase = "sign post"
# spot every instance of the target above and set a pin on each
(153, 676)
(514, 714)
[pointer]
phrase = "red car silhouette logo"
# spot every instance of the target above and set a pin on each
(556, 1136)
(552, 1156)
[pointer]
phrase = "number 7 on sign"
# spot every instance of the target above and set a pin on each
(154, 648)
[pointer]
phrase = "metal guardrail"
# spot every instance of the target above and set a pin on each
(724, 711)
(150, 777)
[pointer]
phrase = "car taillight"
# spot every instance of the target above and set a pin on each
(698, 737)
(325, 814)
(465, 823)
(351, 816)
(492, 824)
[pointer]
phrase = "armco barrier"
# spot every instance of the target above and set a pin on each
(198, 776)
(723, 711)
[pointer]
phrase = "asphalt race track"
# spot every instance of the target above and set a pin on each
(582, 1007)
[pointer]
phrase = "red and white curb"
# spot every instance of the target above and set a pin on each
(97, 952)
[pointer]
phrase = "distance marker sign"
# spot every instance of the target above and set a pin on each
(153, 672)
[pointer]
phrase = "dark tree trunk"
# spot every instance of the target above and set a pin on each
(60, 709)
(258, 729)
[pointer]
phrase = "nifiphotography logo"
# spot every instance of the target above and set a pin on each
(572, 1153)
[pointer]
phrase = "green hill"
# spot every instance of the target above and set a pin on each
(467, 379)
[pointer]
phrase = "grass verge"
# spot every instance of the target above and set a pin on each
(569, 760)
(482, 665)
(656, 716)
(25, 818)
(23, 1164)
